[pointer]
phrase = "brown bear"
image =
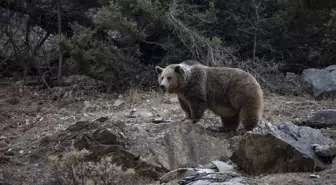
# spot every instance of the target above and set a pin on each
(231, 93)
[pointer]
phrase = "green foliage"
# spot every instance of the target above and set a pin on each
(111, 17)
(155, 9)
(98, 58)
(130, 36)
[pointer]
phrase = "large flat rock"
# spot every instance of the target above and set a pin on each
(280, 148)
(322, 118)
(174, 145)
(321, 83)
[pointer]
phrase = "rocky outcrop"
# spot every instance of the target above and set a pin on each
(322, 119)
(102, 141)
(148, 148)
(280, 148)
(174, 145)
(321, 83)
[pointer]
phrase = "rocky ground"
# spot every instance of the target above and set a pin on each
(38, 123)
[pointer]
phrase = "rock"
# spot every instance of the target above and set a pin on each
(160, 120)
(223, 167)
(105, 136)
(102, 142)
(314, 176)
(324, 118)
(102, 119)
(204, 176)
(151, 149)
(175, 145)
(328, 150)
(82, 125)
(280, 148)
(117, 103)
(321, 83)
(140, 112)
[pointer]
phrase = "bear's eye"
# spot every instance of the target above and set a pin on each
(161, 78)
(169, 78)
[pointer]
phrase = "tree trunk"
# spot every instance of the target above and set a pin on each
(60, 62)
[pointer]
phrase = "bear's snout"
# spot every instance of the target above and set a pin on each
(163, 87)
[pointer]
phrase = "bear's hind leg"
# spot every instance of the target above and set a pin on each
(229, 124)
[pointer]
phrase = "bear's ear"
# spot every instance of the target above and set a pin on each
(178, 69)
(158, 69)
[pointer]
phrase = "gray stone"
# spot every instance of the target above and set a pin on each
(280, 148)
(324, 118)
(328, 150)
(223, 174)
(321, 83)
(117, 103)
(160, 120)
(140, 112)
(175, 145)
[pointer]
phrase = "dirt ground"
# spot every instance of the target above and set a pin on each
(28, 114)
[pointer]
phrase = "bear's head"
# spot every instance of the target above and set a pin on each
(173, 77)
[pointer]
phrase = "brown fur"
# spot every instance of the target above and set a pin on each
(230, 93)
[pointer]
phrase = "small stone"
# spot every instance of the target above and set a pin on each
(223, 167)
(122, 135)
(102, 119)
(158, 120)
(117, 103)
(141, 112)
(314, 176)
(21, 151)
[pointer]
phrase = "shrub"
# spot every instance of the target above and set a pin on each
(74, 169)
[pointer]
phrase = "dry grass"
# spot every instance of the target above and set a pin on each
(46, 117)
(293, 108)
(73, 169)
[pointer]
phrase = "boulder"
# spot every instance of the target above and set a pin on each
(280, 148)
(151, 149)
(321, 83)
(175, 145)
(323, 118)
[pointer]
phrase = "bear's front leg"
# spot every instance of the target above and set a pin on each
(185, 107)
(197, 110)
